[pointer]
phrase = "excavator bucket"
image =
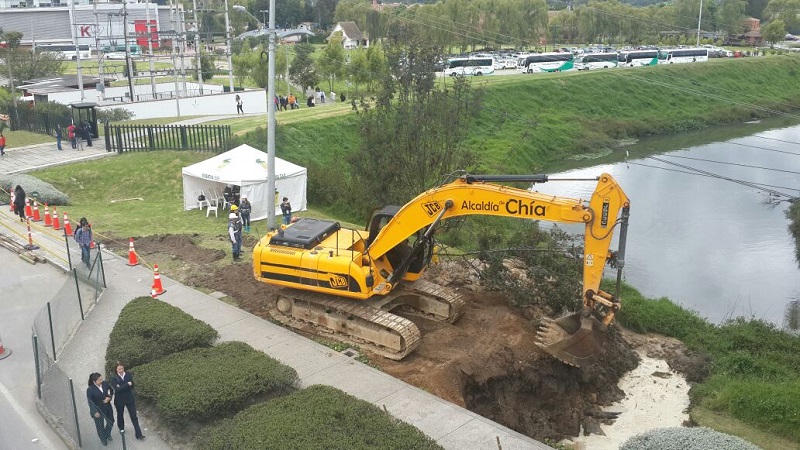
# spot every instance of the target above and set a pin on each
(575, 339)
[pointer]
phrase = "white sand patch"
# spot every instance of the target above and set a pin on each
(650, 402)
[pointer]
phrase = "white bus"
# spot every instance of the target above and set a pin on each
(67, 50)
(469, 66)
(637, 58)
(597, 61)
(546, 62)
(683, 55)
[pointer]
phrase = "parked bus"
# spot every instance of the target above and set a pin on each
(67, 50)
(683, 55)
(638, 58)
(597, 61)
(469, 66)
(546, 62)
(120, 48)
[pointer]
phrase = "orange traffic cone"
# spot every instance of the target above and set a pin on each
(36, 216)
(157, 288)
(28, 210)
(4, 352)
(133, 260)
(56, 222)
(48, 220)
(67, 226)
(11, 203)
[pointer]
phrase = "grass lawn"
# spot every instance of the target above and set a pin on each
(24, 138)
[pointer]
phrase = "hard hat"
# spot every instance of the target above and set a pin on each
(244, 195)
(232, 216)
(234, 207)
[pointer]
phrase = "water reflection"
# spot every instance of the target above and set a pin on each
(710, 245)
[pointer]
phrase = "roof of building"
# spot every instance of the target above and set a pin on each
(57, 84)
(351, 30)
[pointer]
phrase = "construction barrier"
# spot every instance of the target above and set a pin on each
(30, 245)
(67, 226)
(133, 260)
(56, 222)
(4, 352)
(158, 289)
(36, 216)
(48, 220)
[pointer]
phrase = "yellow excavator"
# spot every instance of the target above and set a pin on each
(347, 281)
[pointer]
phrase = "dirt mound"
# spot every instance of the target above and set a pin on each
(486, 362)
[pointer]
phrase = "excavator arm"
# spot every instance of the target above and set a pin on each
(576, 338)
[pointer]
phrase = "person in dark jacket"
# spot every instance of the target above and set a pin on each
(19, 202)
(122, 382)
(99, 395)
(245, 208)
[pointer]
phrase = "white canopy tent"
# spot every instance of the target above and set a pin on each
(246, 167)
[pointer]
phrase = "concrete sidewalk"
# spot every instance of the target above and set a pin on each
(451, 426)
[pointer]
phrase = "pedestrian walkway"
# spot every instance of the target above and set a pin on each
(451, 426)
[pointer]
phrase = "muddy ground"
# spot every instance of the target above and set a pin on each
(487, 361)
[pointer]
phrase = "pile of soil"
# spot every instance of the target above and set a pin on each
(486, 362)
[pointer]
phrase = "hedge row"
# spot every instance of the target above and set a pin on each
(316, 417)
(149, 329)
(204, 384)
(43, 191)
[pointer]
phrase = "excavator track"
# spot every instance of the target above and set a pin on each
(358, 323)
(431, 299)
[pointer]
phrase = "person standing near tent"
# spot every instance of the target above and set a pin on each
(244, 211)
(286, 210)
(235, 233)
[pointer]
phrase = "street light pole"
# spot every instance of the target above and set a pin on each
(197, 49)
(229, 45)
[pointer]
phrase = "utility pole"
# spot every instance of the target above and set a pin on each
(699, 19)
(150, 48)
(182, 19)
(128, 61)
(271, 120)
(174, 58)
(102, 85)
(229, 44)
(197, 48)
(77, 47)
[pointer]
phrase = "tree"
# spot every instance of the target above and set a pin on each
(414, 134)
(774, 32)
(730, 16)
(358, 69)
(786, 10)
(331, 64)
(288, 13)
(243, 63)
(302, 70)
(207, 67)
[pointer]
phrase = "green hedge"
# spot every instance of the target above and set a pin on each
(205, 384)
(316, 417)
(149, 329)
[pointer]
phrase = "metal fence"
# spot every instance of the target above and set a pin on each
(138, 138)
(52, 328)
(28, 119)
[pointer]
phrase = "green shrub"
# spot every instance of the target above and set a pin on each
(316, 417)
(47, 193)
(204, 384)
(685, 439)
(149, 329)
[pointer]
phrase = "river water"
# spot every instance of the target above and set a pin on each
(709, 245)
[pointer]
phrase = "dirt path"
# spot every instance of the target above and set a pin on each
(487, 361)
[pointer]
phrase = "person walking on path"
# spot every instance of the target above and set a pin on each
(286, 210)
(99, 394)
(59, 135)
(19, 202)
(71, 136)
(83, 236)
(244, 211)
(239, 104)
(235, 233)
(2, 144)
(122, 382)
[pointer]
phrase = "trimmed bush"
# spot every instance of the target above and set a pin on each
(149, 329)
(205, 384)
(47, 192)
(686, 439)
(316, 417)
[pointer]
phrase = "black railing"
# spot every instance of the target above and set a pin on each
(144, 138)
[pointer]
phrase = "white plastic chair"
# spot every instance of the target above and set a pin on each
(219, 199)
(212, 203)
(205, 202)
